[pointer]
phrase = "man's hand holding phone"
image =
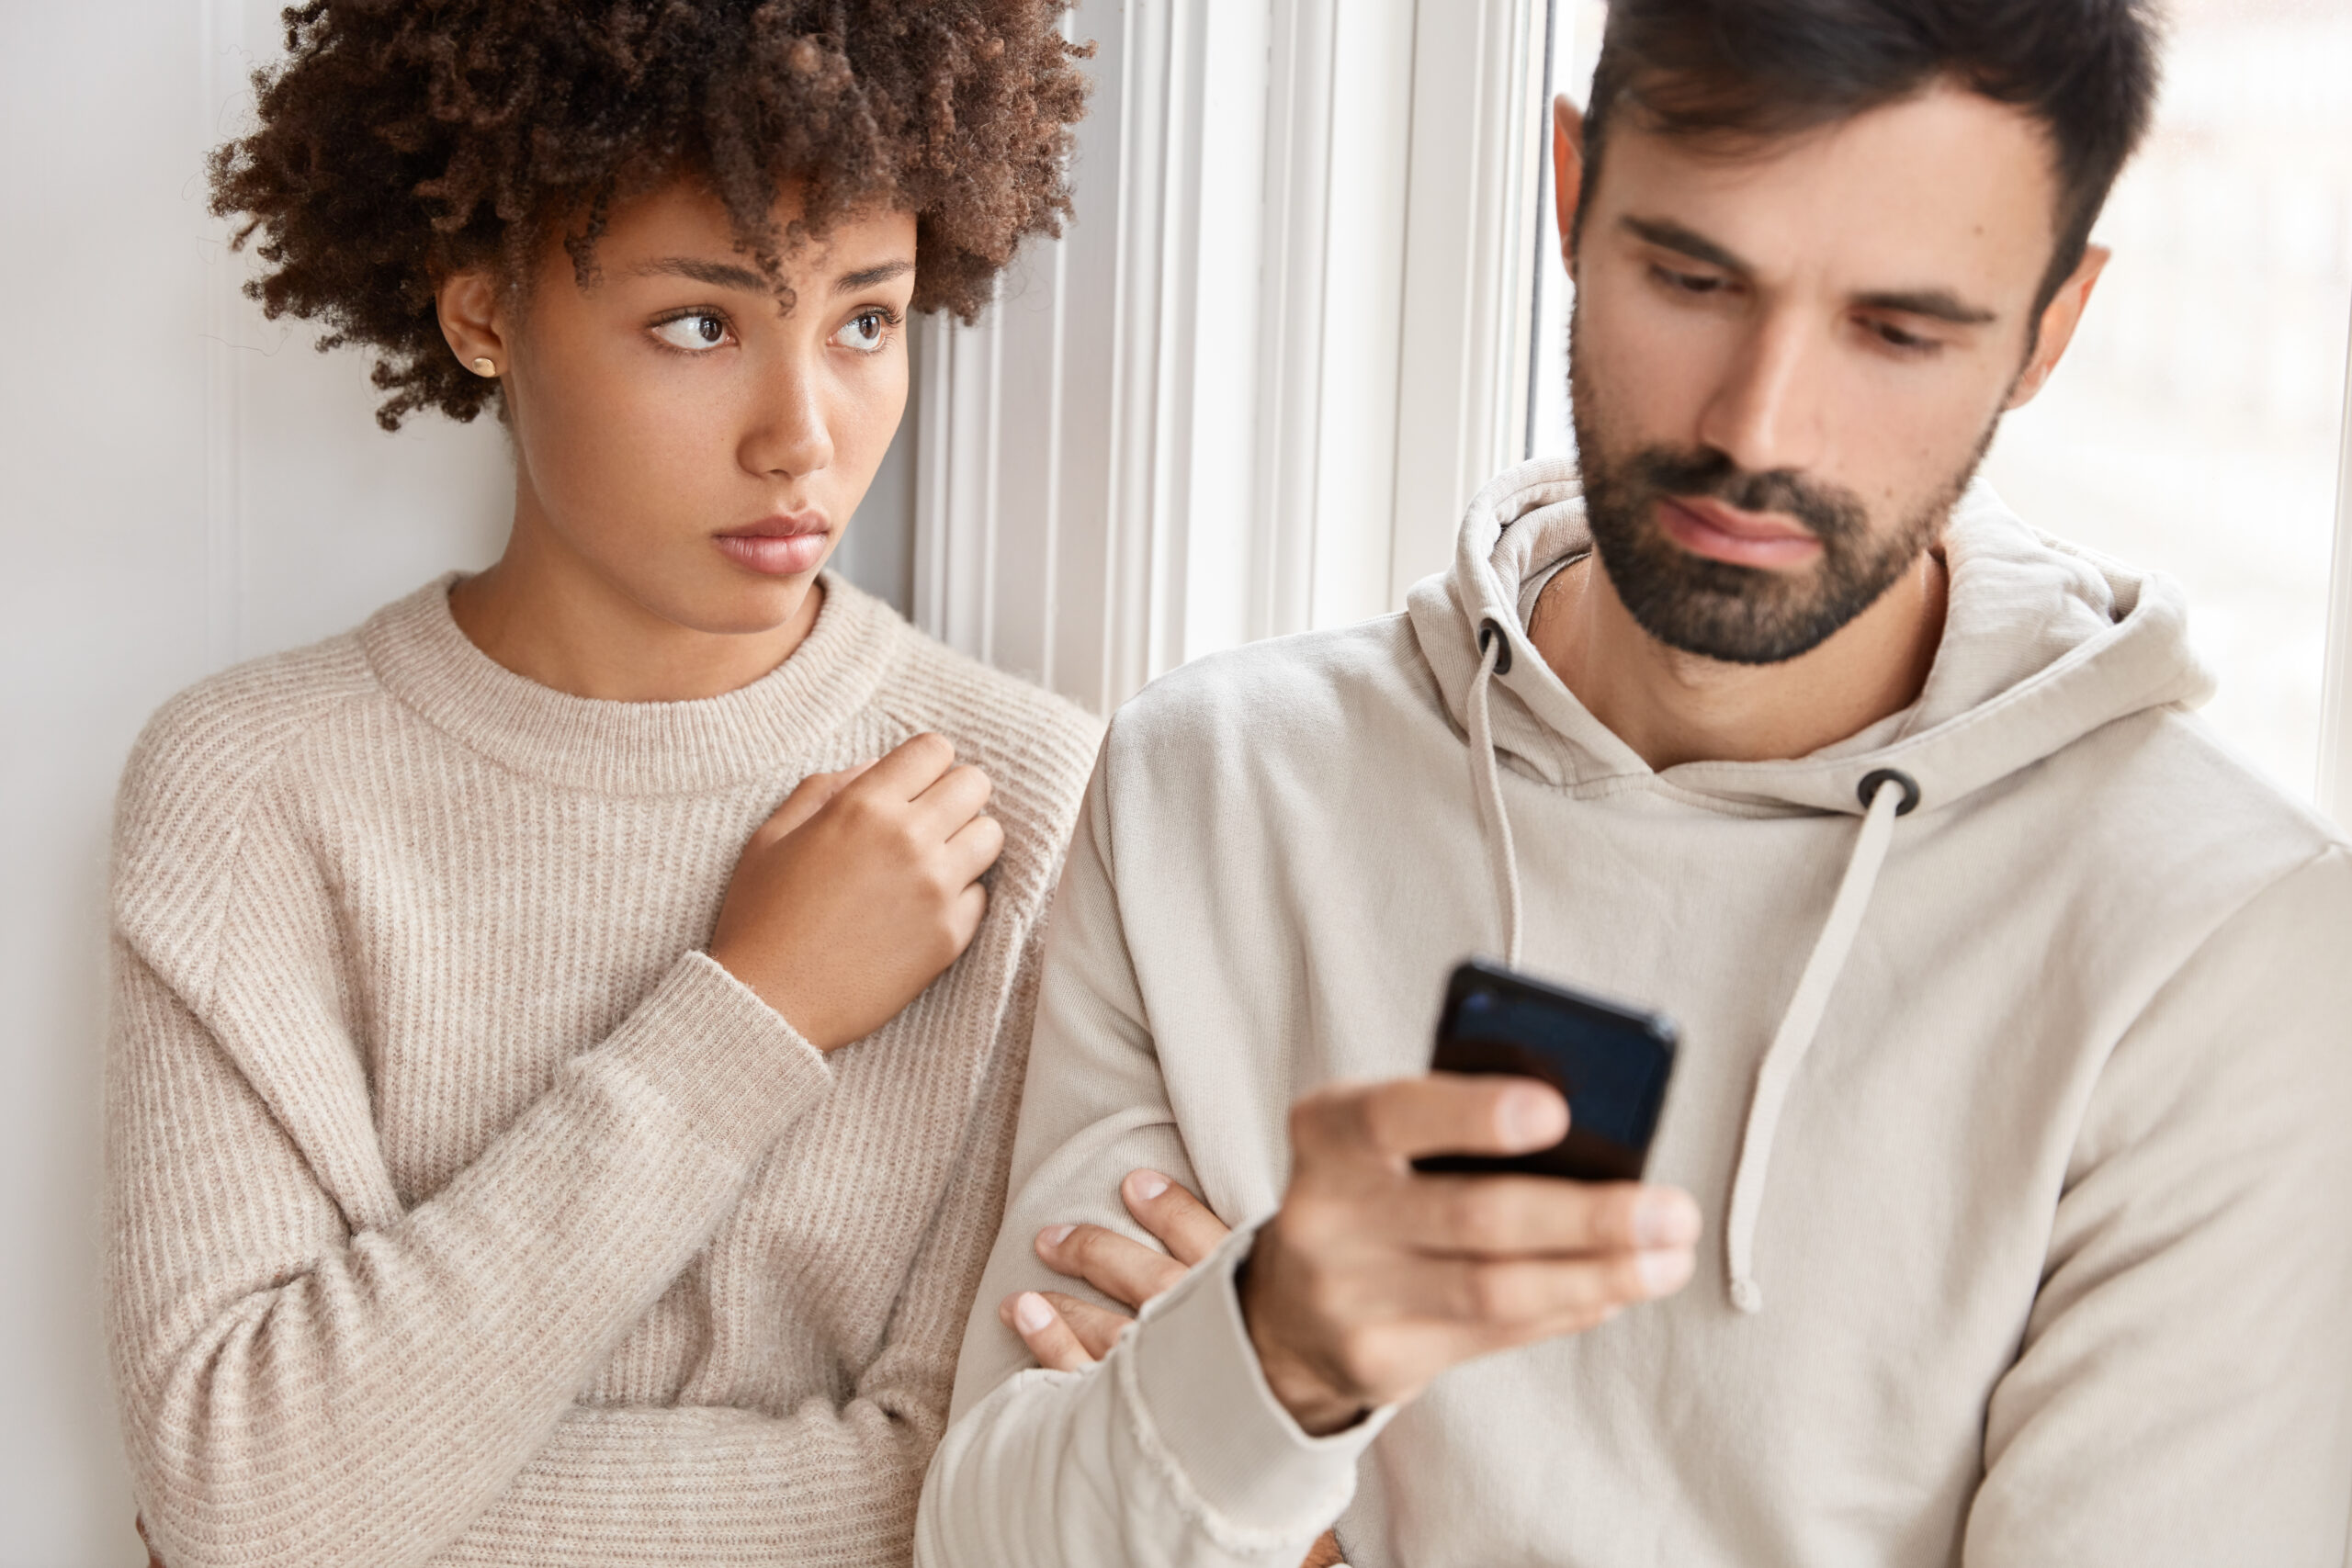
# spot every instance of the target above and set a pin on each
(1373, 1278)
(1429, 1221)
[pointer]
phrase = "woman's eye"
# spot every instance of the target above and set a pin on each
(867, 331)
(696, 331)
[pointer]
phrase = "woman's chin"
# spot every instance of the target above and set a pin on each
(755, 608)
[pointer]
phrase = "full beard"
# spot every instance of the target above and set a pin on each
(1736, 614)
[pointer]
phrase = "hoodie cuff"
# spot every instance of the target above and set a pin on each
(1205, 1401)
(725, 1059)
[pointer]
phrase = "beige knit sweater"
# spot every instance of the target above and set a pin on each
(461, 1212)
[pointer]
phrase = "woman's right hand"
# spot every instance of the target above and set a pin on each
(860, 889)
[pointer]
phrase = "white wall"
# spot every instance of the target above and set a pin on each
(182, 486)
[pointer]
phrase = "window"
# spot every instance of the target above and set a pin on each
(2196, 426)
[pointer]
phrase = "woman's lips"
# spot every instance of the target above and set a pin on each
(1740, 538)
(777, 546)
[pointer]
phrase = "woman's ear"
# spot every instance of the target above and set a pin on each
(1567, 172)
(472, 308)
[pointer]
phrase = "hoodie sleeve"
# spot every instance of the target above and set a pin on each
(2184, 1391)
(1172, 1450)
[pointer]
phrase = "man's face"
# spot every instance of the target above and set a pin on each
(1787, 363)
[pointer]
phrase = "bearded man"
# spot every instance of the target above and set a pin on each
(2002, 1203)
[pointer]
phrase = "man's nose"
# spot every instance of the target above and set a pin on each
(791, 429)
(1767, 415)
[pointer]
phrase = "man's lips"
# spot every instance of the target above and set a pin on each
(1720, 533)
(783, 546)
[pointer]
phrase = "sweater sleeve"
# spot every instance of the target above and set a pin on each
(305, 1384)
(653, 1487)
(2184, 1392)
(1172, 1450)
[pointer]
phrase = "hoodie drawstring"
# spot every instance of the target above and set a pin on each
(1886, 794)
(1486, 772)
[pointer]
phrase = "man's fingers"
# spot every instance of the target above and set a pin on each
(1441, 1113)
(1124, 1270)
(1053, 1342)
(1532, 1294)
(1517, 1215)
(1182, 1222)
(807, 800)
(1098, 1329)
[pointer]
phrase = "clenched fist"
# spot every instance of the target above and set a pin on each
(861, 888)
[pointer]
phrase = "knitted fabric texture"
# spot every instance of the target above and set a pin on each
(460, 1210)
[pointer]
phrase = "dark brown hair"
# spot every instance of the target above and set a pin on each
(405, 140)
(2085, 69)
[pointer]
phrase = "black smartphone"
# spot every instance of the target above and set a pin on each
(1611, 1062)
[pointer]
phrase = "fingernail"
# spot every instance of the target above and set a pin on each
(1531, 1119)
(1664, 1272)
(1054, 1235)
(1032, 1312)
(1666, 1219)
(1147, 1185)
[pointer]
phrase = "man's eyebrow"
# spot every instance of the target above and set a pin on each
(1668, 235)
(866, 277)
(719, 275)
(1935, 304)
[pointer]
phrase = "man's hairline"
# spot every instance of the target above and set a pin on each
(2060, 267)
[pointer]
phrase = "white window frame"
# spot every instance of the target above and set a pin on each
(1309, 367)
(2335, 702)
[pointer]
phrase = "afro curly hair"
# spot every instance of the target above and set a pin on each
(406, 140)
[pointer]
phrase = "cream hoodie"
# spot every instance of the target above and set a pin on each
(2020, 1119)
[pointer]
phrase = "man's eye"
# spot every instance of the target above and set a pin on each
(1688, 282)
(867, 331)
(694, 332)
(1895, 337)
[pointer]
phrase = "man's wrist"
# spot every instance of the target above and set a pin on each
(1319, 1409)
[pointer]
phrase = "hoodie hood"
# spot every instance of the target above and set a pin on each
(2042, 644)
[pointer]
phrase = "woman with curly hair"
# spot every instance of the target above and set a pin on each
(562, 1082)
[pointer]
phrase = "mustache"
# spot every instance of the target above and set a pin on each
(1835, 516)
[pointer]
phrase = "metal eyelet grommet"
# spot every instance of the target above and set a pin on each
(1491, 629)
(1890, 775)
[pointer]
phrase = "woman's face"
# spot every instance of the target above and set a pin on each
(685, 437)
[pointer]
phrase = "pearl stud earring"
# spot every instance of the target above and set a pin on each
(485, 367)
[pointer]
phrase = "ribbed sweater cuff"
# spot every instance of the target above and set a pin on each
(724, 1058)
(1197, 1380)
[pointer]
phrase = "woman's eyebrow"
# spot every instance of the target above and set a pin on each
(866, 277)
(719, 275)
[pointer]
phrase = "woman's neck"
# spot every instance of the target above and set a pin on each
(550, 615)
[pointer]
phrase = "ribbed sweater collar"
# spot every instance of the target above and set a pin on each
(426, 661)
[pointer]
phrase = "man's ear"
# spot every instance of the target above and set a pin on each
(1567, 172)
(472, 308)
(2059, 320)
